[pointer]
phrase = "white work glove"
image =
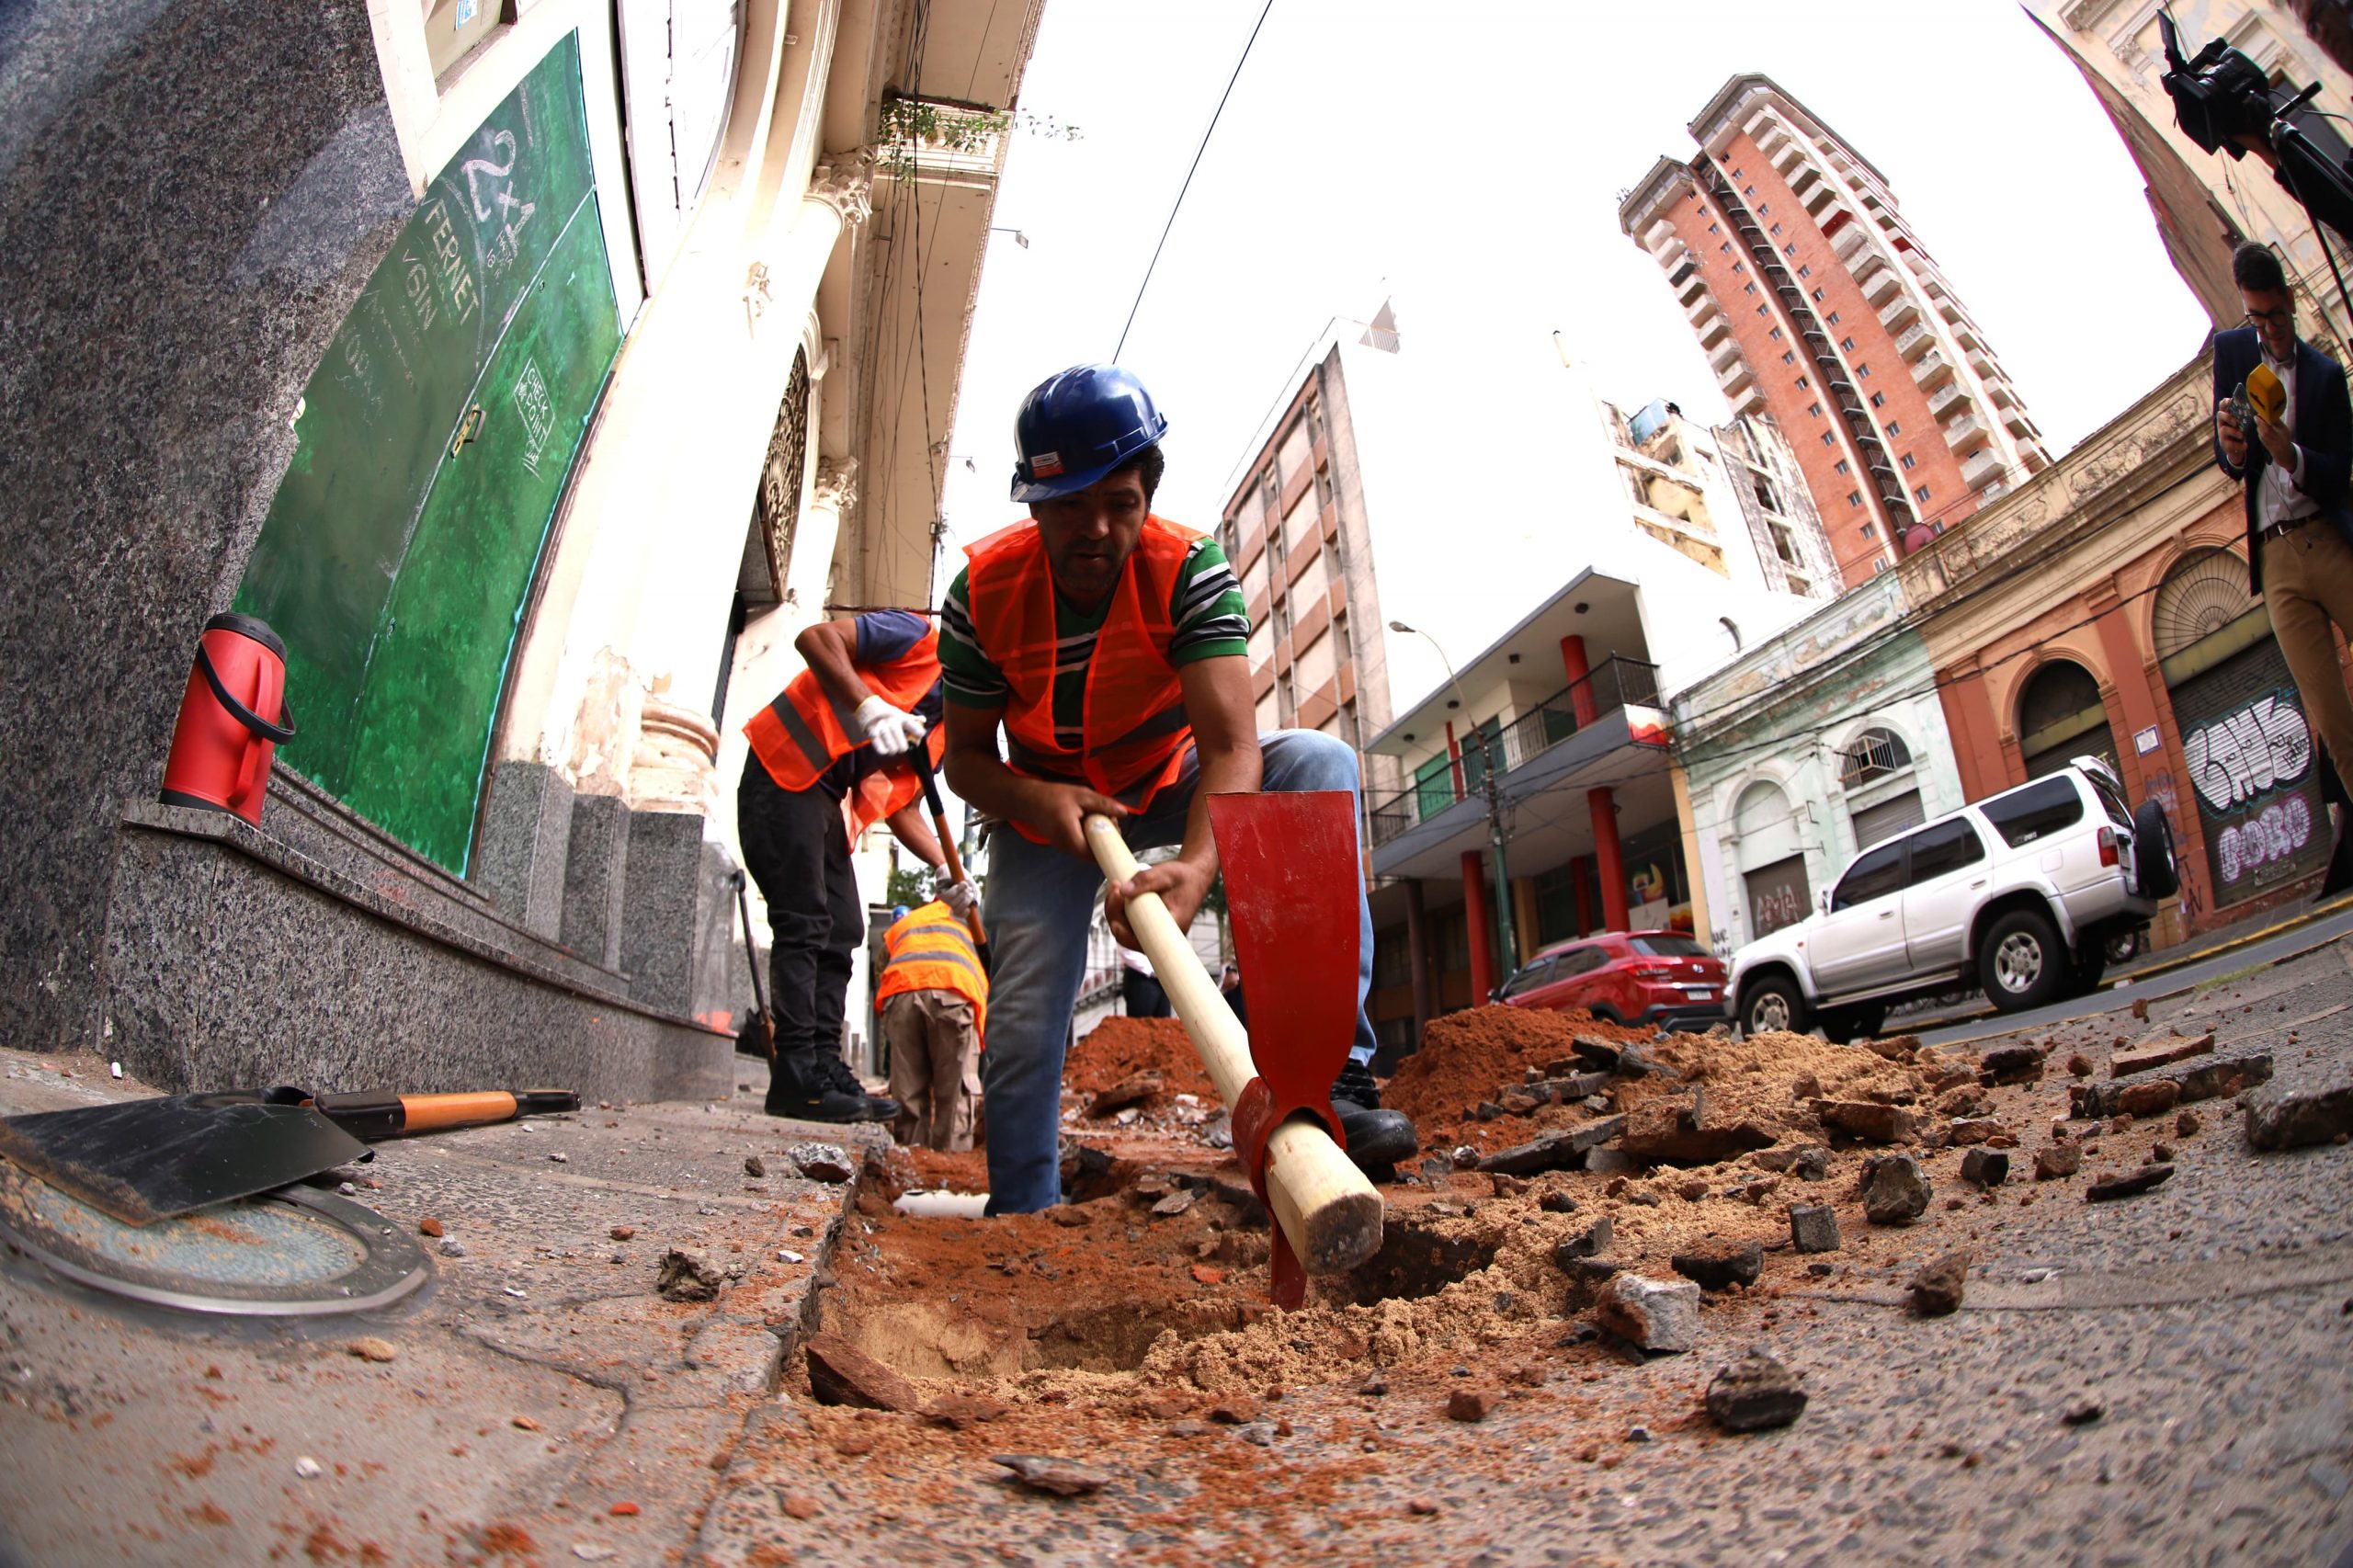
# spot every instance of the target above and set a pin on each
(891, 731)
(962, 898)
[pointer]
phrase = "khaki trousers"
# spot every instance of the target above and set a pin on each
(2308, 583)
(935, 1067)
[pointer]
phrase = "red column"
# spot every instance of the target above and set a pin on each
(1580, 869)
(1976, 736)
(1580, 688)
(1475, 907)
(1454, 759)
(1607, 859)
(2130, 677)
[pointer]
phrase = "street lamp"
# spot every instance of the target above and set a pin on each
(1018, 237)
(1495, 801)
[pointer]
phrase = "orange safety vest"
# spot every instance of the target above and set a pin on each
(1135, 731)
(931, 950)
(803, 733)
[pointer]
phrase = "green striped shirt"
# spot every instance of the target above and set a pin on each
(1207, 610)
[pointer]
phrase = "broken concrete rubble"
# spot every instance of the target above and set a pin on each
(1586, 1243)
(1718, 1265)
(1985, 1167)
(821, 1162)
(1650, 1314)
(1678, 1132)
(2108, 1189)
(684, 1277)
(2279, 1119)
(2055, 1160)
(1564, 1150)
(1755, 1394)
(2208, 1080)
(1894, 1193)
(1870, 1121)
(840, 1373)
(2159, 1050)
(1061, 1477)
(1938, 1288)
(1814, 1227)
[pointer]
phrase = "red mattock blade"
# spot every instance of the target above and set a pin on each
(1292, 885)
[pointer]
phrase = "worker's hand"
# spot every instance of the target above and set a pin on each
(891, 730)
(962, 898)
(2233, 440)
(1180, 884)
(1060, 811)
(2277, 442)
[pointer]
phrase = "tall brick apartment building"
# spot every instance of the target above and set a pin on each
(1817, 304)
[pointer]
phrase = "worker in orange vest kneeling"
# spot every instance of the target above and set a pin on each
(934, 998)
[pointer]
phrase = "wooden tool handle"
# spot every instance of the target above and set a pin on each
(1327, 1207)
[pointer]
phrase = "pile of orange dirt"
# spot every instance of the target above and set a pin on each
(967, 1170)
(1120, 1047)
(1475, 1055)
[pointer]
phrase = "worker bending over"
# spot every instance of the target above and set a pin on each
(934, 998)
(829, 758)
(1110, 645)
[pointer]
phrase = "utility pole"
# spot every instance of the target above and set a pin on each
(1503, 932)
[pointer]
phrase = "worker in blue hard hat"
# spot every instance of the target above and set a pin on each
(1111, 648)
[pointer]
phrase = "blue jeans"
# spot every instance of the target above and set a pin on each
(1040, 902)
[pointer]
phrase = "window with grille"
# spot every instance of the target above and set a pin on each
(1877, 752)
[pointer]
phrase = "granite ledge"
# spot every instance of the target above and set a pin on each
(234, 833)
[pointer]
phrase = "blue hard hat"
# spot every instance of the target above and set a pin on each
(899, 913)
(1077, 425)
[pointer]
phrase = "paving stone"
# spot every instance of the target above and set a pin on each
(1597, 1053)
(1564, 1150)
(1755, 1394)
(1472, 1404)
(821, 1162)
(1718, 1265)
(1672, 1131)
(686, 1276)
(1652, 1314)
(2159, 1050)
(1937, 1288)
(2010, 1065)
(1896, 1193)
(1985, 1167)
(2108, 1189)
(840, 1373)
(1814, 1227)
(2282, 1119)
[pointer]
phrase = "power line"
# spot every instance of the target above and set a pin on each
(1188, 178)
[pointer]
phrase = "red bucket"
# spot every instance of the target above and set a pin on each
(221, 745)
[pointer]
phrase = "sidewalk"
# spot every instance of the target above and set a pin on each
(541, 1402)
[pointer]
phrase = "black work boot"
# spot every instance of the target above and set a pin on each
(1377, 1137)
(817, 1086)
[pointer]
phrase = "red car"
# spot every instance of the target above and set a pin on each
(1628, 977)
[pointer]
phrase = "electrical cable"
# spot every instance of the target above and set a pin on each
(1189, 179)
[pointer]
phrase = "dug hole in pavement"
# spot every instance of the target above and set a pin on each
(1550, 1359)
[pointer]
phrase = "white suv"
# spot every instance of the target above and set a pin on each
(2020, 893)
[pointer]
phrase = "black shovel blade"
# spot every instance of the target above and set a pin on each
(147, 1160)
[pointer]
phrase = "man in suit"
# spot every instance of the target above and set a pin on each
(2299, 521)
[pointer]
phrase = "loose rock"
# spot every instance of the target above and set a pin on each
(624, 1232)
(2107, 1189)
(821, 1162)
(1133, 1089)
(1814, 1227)
(1652, 1314)
(1555, 1150)
(2055, 1161)
(684, 1277)
(428, 1226)
(1985, 1167)
(1870, 1121)
(1755, 1394)
(755, 1166)
(2159, 1050)
(2208, 1080)
(1060, 1477)
(1937, 1288)
(1585, 1244)
(1177, 1202)
(840, 1373)
(1896, 1193)
(1472, 1403)
(1678, 1132)
(1717, 1265)
(2186, 1124)
(800, 1505)
(2010, 1065)
(373, 1350)
(1069, 1216)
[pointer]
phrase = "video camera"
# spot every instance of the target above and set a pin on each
(2223, 102)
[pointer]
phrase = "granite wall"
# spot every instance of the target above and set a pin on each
(192, 193)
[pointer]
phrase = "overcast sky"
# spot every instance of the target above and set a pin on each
(1467, 160)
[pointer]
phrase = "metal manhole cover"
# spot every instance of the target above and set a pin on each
(295, 1253)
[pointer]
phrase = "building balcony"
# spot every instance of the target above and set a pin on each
(1981, 465)
(2015, 422)
(1900, 314)
(1949, 400)
(1878, 281)
(1722, 355)
(1965, 334)
(1991, 491)
(1983, 363)
(1850, 240)
(1710, 323)
(1749, 402)
(1578, 729)
(1737, 378)
(1964, 431)
(2003, 394)
(1818, 198)
(1913, 342)
(1934, 371)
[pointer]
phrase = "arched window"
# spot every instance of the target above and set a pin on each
(1873, 754)
(2061, 716)
(2201, 596)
